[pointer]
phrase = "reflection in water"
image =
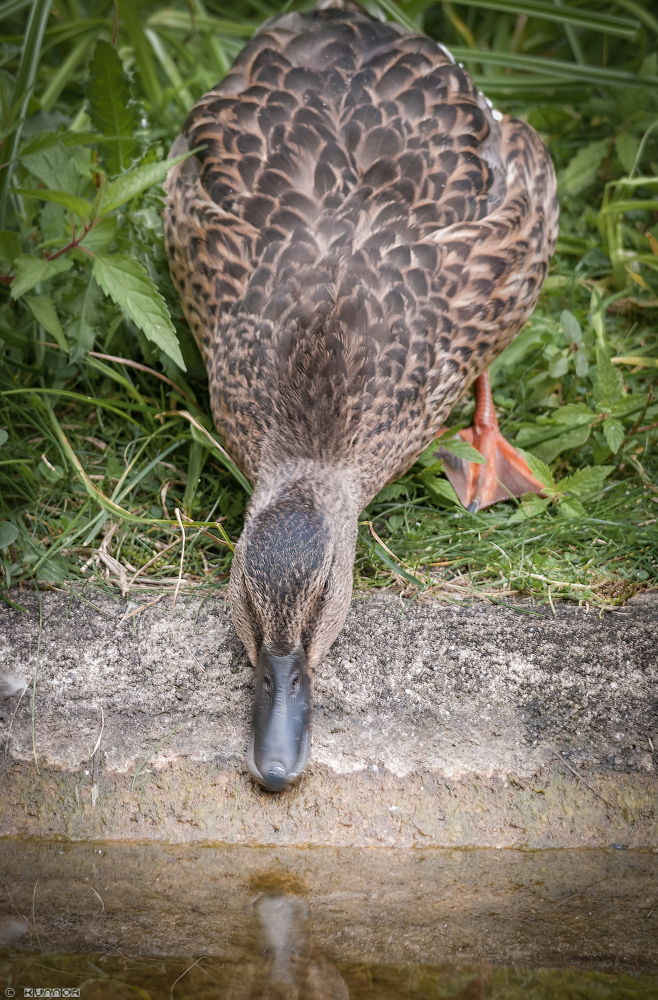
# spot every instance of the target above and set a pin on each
(288, 967)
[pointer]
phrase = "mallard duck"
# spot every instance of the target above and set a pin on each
(357, 236)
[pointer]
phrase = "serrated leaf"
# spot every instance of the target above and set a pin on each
(80, 206)
(30, 271)
(43, 309)
(110, 106)
(583, 168)
(614, 433)
(609, 381)
(538, 468)
(629, 404)
(131, 184)
(627, 146)
(391, 492)
(585, 481)
(126, 281)
(55, 167)
(8, 534)
(10, 247)
(462, 449)
(571, 326)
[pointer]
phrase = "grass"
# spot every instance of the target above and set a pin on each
(106, 442)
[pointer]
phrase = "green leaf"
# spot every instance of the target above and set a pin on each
(538, 468)
(632, 403)
(571, 509)
(609, 381)
(439, 489)
(55, 167)
(43, 140)
(137, 180)
(558, 365)
(520, 346)
(8, 534)
(100, 238)
(43, 309)
(32, 270)
(582, 362)
(531, 506)
(583, 168)
(3, 436)
(462, 449)
(614, 433)
(126, 281)
(548, 450)
(84, 326)
(428, 457)
(585, 481)
(573, 414)
(111, 108)
(10, 247)
(80, 206)
(391, 492)
(51, 472)
(627, 146)
(571, 326)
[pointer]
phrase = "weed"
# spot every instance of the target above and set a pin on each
(105, 426)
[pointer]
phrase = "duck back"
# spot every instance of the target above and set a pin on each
(356, 237)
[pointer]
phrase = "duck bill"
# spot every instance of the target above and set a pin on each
(280, 740)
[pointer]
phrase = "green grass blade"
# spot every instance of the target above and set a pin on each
(578, 17)
(129, 18)
(78, 397)
(64, 74)
(182, 21)
(27, 72)
(11, 7)
(594, 75)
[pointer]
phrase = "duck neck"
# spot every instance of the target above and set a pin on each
(335, 488)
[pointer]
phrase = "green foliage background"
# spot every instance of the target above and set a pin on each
(105, 428)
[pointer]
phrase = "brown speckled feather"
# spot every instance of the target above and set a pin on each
(357, 241)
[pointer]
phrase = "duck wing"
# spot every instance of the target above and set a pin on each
(356, 240)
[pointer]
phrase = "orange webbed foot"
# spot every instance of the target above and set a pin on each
(506, 473)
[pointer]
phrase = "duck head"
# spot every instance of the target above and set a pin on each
(290, 591)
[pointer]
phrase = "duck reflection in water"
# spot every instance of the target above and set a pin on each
(287, 968)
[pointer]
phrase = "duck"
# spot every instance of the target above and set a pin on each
(356, 234)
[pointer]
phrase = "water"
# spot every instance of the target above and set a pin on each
(240, 923)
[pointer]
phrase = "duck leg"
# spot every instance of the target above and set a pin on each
(505, 474)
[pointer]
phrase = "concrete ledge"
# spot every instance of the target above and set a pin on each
(441, 726)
